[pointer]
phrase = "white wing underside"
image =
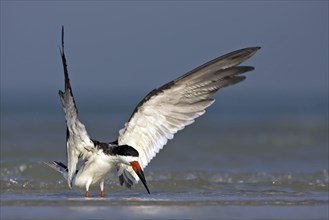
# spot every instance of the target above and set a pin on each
(170, 108)
(78, 143)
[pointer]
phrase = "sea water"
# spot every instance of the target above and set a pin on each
(241, 160)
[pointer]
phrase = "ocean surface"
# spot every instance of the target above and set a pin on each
(246, 158)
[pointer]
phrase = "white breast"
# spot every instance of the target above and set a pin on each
(94, 170)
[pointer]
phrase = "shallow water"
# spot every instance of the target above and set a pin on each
(186, 194)
(264, 165)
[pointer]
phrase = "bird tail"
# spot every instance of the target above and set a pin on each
(58, 166)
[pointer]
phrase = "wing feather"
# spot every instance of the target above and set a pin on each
(168, 109)
(78, 143)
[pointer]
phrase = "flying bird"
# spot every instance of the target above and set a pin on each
(154, 121)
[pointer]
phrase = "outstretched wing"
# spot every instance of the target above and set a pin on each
(170, 108)
(78, 143)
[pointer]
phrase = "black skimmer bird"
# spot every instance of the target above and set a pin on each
(155, 120)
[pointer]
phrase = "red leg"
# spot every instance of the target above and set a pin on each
(87, 194)
(102, 194)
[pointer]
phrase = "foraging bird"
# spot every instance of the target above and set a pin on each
(155, 120)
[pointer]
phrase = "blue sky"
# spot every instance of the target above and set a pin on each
(132, 47)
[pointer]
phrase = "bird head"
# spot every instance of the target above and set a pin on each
(129, 156)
